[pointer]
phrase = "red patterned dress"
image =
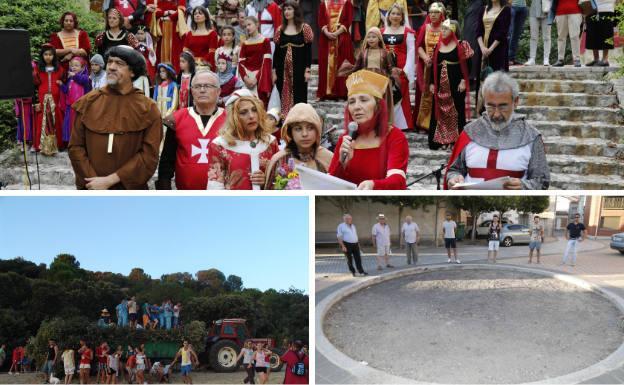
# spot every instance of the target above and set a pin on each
(402, 46)
(230, 166)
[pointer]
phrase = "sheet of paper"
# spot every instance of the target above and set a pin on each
(315, 180)
(492, 184)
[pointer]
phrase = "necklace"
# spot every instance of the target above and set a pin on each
(253, 143)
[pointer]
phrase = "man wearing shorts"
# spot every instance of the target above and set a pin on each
(188, 357)
(50, 361)
(493, 238)
(575, 233)
(132, 312)
(381, 240)
(537, 237)
(448, 233)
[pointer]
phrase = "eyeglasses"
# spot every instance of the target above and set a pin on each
(499, 107)
(204, 86)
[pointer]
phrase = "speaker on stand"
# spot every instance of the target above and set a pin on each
(16, 73)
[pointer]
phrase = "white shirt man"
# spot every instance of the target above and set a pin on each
(448, 233)
(410, 233)
(348, 240)
(381, 240)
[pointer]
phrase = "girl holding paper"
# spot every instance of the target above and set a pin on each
(302, 133)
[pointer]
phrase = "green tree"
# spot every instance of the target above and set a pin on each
(212, 278)
(15, 291)
(65, 268)
(22, 267)
(233, 283)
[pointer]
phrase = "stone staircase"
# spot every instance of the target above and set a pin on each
(577, 111)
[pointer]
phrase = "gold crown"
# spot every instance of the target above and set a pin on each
(437, 7)
(447, 24)
(367, 82)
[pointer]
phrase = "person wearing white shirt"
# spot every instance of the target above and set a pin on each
(410, 235)
(348, 240)
(448, 233)
(381, 240)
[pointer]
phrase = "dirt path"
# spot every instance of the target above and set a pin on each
(475, 326)
(199, 377)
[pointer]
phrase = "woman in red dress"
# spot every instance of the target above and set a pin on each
(376, 157)
(255, 62)
(238, 158)
(202, 41)
(335, 18)
(70, 41)
(48, 77)
(399, 40)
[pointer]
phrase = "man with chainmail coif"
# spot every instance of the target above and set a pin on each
(500, 143)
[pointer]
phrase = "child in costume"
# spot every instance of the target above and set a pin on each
(78, 84)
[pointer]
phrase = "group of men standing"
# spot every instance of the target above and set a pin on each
(410, 236)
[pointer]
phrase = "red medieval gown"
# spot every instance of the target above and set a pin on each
(168, 30)
(229, 166)
(403, 47)
(202, 47)
(385, 165)
(332, 14)
(255, 60)
(80, 40)
(49, 118)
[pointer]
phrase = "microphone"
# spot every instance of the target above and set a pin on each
(352, 128)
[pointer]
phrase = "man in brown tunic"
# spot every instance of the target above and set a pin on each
(117, 130)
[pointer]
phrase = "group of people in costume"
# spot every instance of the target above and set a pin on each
(228, 106)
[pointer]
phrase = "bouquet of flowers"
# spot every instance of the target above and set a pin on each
(287, 178)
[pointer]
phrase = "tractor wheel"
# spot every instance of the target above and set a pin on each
(508, 242)
(276, 362)
(223, 356)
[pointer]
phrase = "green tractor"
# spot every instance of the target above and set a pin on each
(225, 341)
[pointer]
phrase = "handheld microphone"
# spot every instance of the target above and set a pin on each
(352, 128)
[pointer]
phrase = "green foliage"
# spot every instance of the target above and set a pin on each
(8, 124)
(49, 303)
(68, 332)
(619, 20)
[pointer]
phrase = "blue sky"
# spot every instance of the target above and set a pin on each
(264, 240)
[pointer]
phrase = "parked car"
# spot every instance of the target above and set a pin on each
(514, 234)
(483, 228)
(617, 242)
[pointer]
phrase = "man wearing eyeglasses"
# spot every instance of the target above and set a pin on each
(189, 132)
(500, 143)
(575, 233)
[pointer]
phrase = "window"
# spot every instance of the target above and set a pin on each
(228, 330)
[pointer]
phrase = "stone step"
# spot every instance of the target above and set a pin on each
(528, 99)
(561, 73)
(585, 165)
(579, 146)
(579, 129)
(559, 181)
(593, 87)
(566, 181)
(575, 114)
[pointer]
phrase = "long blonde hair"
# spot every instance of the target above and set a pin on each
(234, 130)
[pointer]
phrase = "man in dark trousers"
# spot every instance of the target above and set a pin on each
(348, 240)
(575, 233)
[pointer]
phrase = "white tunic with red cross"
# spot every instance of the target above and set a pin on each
(191, 169)
(270, 19)
(485, 163)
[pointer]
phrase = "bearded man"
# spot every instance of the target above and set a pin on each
(500, 143)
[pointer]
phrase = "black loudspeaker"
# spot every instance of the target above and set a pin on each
(15, 68)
